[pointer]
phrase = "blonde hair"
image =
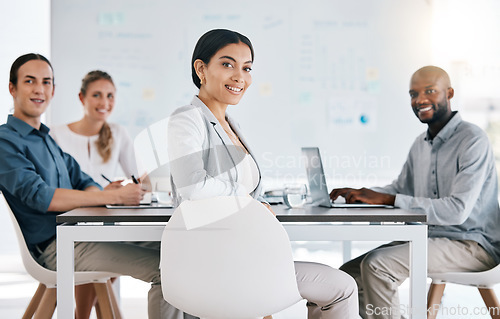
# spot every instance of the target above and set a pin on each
(105, 140)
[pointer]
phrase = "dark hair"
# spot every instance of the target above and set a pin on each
(105, 140)
(210, 43)
(20, 61)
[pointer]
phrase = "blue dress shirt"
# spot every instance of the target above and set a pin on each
(32, 166)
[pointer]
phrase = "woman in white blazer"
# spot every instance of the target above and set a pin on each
(210, 157)
(205, 161)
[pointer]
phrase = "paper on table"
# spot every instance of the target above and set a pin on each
(147, 198)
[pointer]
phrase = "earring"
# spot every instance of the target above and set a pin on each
(201, 81)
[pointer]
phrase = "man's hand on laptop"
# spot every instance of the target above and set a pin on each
(362, 195)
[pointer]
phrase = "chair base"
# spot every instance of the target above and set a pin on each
(44, 301)
(35, 301)
(434, 299)
(491, 302)
(436, 291)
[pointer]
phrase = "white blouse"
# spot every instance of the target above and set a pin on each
(122, 160)
(248, 173)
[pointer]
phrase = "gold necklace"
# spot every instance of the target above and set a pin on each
(231, 134)
(236, 140)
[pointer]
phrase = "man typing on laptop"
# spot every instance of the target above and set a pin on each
(450, 176)
(317, 183)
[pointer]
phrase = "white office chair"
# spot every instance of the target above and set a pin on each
(151, 154)
(483, 280)
(43, 302)
(227, 258)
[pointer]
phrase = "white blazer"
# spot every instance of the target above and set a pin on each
(202, 157)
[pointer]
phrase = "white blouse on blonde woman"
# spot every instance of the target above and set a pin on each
(84, 150)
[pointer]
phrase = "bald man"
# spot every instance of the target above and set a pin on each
(450, 176)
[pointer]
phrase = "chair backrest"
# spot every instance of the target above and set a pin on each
(43, 275)
(38, 272)
(150, 147)
(480, 279)
(227, 257)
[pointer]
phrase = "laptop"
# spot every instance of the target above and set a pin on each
(317, 182)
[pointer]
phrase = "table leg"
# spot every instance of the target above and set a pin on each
(65, 273)
(418, 274)
(415, 234)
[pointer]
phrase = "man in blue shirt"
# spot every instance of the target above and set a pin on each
(39, 180)
(450, 176)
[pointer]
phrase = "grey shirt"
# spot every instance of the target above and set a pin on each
(452, 179)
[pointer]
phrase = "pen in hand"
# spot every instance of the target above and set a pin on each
(109, 181)
(134, 180)
(112, 185)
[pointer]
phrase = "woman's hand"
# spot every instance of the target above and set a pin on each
(146, 183)
(270, 209)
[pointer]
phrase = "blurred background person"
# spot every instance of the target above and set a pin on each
(99, 147)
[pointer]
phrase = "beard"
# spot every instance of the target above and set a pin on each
(440, 113)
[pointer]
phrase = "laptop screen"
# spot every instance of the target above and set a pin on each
(316, 176)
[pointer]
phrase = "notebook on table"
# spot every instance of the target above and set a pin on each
(148, 202)
(141, 206)
(317, 182)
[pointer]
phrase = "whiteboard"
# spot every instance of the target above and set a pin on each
(330, 73)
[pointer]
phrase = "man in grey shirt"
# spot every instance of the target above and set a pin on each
(450, 176)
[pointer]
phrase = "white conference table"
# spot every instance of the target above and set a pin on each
(99, 224)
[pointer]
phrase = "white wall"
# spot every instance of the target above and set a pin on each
(317, 68)
(324, 70)
(465, 43)
(25, 27)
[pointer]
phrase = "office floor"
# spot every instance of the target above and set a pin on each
(17, 287)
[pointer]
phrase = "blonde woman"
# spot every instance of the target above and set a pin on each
(101, 148)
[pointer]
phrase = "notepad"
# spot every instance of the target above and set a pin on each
(141, 206)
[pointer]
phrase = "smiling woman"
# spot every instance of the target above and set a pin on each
(99, 147)
(209, 157)
(102, 149)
